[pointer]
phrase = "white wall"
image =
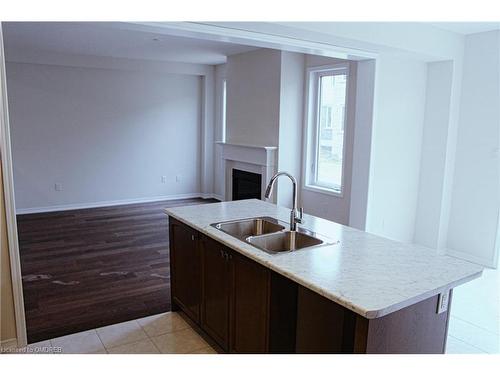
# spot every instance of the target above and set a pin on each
(363, 122)
(291, 121)
(104, 134)
(207, 146)
(265, 98)
(220, 76)
(396, 147)
(434, 145)
(253, 97)
(475, 202)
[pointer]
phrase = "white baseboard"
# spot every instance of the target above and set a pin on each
(471, 258)
(78, 206)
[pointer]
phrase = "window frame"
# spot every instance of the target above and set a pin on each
(312, 127)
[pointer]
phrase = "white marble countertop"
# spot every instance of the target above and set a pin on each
(370, 275)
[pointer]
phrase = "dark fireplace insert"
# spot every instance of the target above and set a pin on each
(246, 185)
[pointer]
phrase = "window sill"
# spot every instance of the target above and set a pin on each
(323, 190)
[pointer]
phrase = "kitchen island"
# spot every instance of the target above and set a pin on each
(357, 293)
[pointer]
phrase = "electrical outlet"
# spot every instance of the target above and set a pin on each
(443, 302)
(164, 179)
(58, 187)
(177, 178)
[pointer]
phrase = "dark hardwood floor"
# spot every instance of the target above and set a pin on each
(89, 268)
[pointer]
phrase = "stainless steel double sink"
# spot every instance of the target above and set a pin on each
(270, 235)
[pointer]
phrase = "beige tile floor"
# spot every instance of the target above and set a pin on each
(164, 333)
(475, 316)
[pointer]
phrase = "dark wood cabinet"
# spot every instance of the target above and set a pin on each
(324, 326)
(240, 306)
(185, 269)
(223, 292)
(235, 299)
(215, 290)
(249, 306)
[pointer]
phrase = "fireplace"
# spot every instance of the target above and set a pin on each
(259, 163)
(246, 185)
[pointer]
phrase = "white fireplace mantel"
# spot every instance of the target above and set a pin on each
(250, 158)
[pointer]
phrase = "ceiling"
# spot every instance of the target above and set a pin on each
(466, 28)
(114, 39)
(123, 40)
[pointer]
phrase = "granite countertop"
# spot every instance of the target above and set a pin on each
(370, 275)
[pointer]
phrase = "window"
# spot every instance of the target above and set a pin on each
(326, 128)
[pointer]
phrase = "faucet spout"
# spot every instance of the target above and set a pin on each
(295, 216)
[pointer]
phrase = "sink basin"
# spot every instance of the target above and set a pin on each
(284, 241)
(249, 227)
(267, 234)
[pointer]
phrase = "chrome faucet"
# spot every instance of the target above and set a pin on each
(295, 216)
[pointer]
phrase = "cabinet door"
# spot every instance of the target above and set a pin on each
(215, 291)
(249, 306)
(185, 269)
